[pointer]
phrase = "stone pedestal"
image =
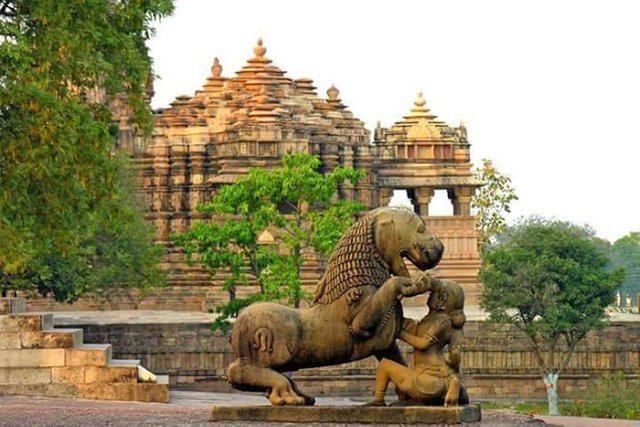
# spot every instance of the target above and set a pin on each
(348, 414)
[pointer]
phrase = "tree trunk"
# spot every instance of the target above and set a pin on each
(296, 298)
(551, 381)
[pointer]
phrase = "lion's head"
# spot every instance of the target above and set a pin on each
(401, 234)
(374, 248)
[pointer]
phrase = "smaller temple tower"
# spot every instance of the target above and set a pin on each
(421, 154)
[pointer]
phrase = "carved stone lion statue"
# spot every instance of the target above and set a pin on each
(355, 313)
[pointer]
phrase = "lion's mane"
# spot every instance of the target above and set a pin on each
(355, 262)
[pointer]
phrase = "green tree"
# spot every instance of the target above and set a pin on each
(625, 253)
(296, 203)
(60, 180)
(124, 257)
(492, 201)
(551, 281)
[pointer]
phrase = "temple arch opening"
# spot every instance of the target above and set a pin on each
(401, 198)
(440, 204)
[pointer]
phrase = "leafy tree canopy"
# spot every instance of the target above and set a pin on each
(550, 279)
(296, 203)
(625, 253)
(492, 201)
(61, 185)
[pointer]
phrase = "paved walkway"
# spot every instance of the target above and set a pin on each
(587, 422)
(194, 408)
(110, 317)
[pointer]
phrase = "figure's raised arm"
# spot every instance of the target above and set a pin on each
(422, 342)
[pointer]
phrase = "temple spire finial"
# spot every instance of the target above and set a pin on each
(420, 101)
(259, 50)
(216, 68)
(333, 93)
(462, 131)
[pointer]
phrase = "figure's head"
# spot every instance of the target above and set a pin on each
(449, 298)
(401, 234)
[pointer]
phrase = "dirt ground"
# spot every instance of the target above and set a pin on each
(185, 409)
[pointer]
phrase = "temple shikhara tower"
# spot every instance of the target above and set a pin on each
(209, 139)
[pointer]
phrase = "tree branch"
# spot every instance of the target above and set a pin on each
(294, 207)
(572, 346)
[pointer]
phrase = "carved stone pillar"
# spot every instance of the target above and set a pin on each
(385, 196)
(464, 205)
(461, 199)
(423, 196)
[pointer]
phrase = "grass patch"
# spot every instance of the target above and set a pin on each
(613, 396)
(529, 408)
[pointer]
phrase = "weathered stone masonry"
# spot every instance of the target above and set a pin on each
(37, 359)
(496, 360)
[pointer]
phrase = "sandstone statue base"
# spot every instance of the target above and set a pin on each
(349, 414)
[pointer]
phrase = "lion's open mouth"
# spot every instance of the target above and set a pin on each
(420, 263)
(424, 257)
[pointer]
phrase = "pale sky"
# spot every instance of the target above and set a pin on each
(549, 90)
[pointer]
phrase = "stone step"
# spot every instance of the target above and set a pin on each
(10, 305)
(52, 338)
(25, 322)
(111, 374)
(143, 375)
(146, 376)
(32, 358)
(127, 392)
(17, 376)
(162, 379)
(46, 321)
(38, 360)
(89, 355)
(124, 362)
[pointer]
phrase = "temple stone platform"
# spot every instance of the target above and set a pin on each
(349, 414)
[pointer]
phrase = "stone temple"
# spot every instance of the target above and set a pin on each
(209, 139)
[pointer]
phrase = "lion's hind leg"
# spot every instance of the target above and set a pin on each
(308, 400)
(248, 377)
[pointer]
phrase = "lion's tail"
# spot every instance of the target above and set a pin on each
(263, 340)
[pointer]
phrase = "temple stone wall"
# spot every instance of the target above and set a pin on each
(496, 359)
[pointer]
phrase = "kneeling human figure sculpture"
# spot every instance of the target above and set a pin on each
(434, 380)
(356, 311)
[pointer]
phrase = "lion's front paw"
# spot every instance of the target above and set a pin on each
(426, 282)
(420, 284)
